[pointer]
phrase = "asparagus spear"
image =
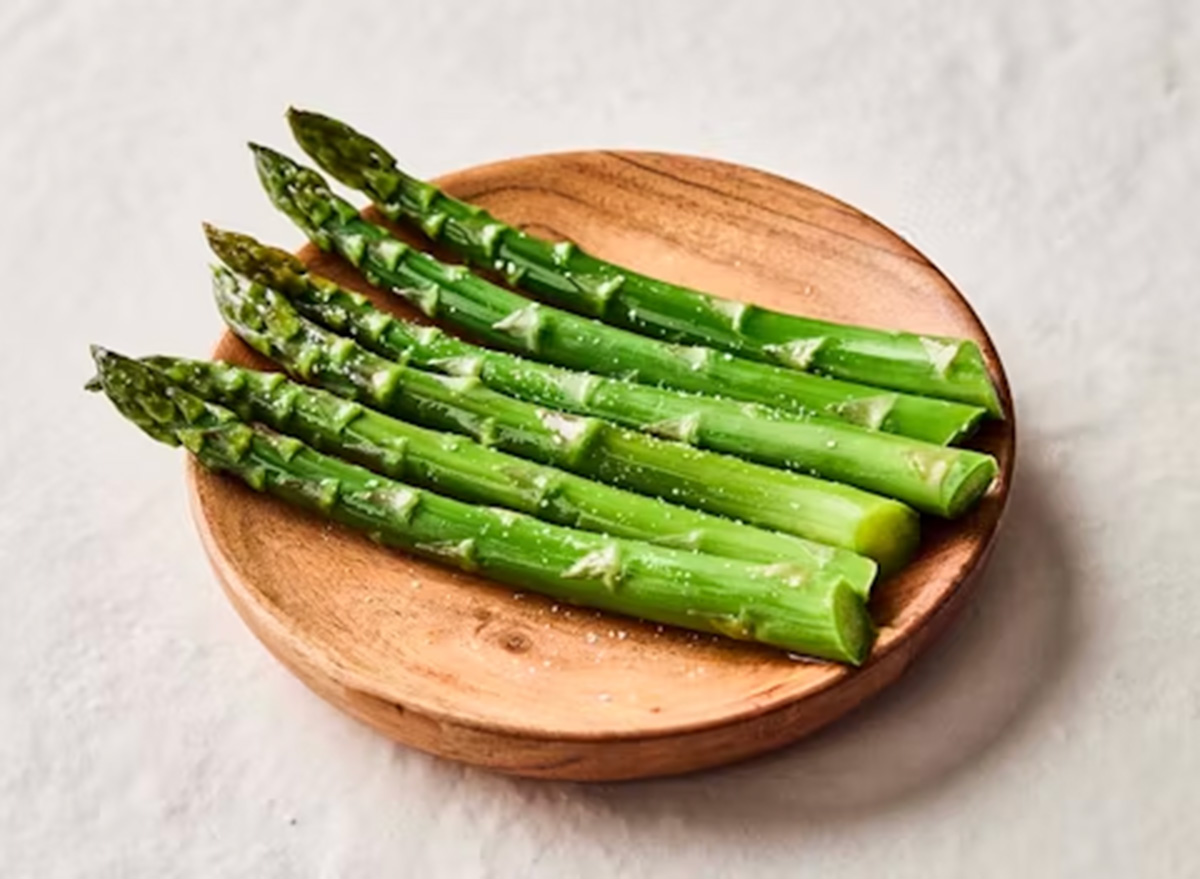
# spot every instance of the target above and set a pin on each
(815, 612)
(934, 479)
(462, 469)
(838, 515)
(565, 275)
(507, 320)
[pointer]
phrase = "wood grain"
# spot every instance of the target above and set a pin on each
(461, 667)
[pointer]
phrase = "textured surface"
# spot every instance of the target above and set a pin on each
(1044, 155)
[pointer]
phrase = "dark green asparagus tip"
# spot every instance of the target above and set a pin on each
(301, 193)
(100, 356)
(239, 303)
(351, 157)
(116, 374)
(138, 392)
(252, 259)
(280, 177)
(94, 384)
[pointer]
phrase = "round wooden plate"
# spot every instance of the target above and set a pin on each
(476, 672)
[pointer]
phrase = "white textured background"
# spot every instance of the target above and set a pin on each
(1045, 154)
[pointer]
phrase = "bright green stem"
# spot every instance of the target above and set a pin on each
(931, 478)
(819, 615)
(829, 513)
(934, 479)
(459, 468)
(561, 273)
(508, 320)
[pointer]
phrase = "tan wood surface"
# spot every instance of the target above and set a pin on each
(461, 667)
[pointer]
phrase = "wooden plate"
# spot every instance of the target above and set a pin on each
(476, 672)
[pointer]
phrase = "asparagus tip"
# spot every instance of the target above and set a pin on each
(347, 154)
(224, 284)
(100, 354)
(269, 161)
(252, 258)
(103, 358)
(296, 116)
(297, 191)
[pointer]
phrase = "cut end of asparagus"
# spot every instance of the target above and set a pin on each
(889, 534)
(349, 156)
(853, 625)
(860, 571)
(972, 485)
(976, 380)
(992, 401)
(966, 428)
(847, 632)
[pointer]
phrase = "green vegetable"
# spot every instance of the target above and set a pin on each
(457, 467)
(507, 320)
(934, 479)
(829, 513)
(817, 614)
(561, 273)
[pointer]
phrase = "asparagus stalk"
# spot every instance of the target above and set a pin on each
(818, 613)
(465, 470)
(561, 273)
(934, 479)
(837, 515)
(507, 320)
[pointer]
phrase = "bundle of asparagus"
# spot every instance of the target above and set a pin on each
(560, 272)
(934, 479)
(815, 613)
(471, 472)
(507, 320)
(679, 483)
(831, 513)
